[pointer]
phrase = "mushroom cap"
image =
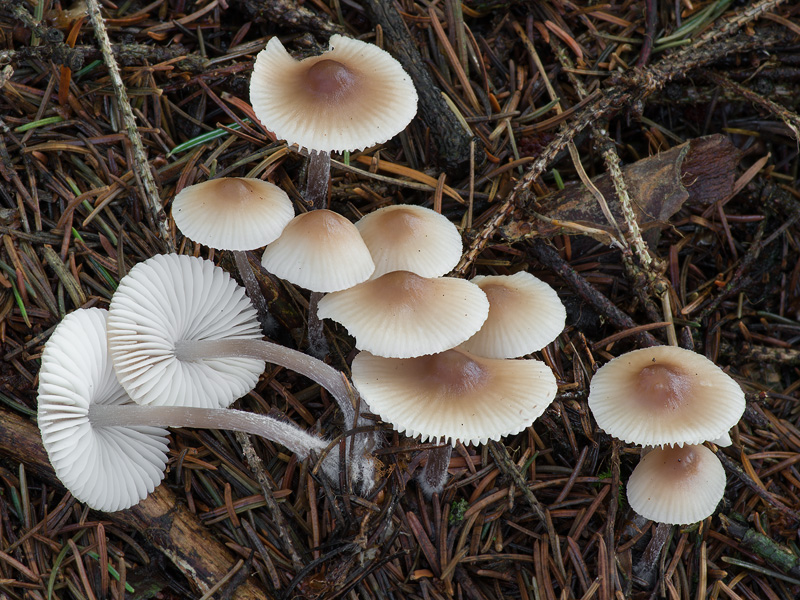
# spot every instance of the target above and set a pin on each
(677, 485)
(412, 238)
(321, 251)
(351, 97)
(171, 298)
(664, 395)
(525, 314)
(403, 315)
(108, 468)
(232, 213)
(455, 394)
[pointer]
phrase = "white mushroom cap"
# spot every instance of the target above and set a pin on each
(525, 314)
(353, 96)
(169, 299)
(232, 213)
(723, 441)
(411, 238)
(108, 468)
(320, 251)
(664, 395)
(455, 394)
(403, 315)
(677, 485)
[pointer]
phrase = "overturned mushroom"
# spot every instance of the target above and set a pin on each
(107, 450)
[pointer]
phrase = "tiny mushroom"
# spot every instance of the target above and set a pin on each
(403, 315)
(236, 214)
(108, 467)
(455, 395)
(677, 486)
(664, 395)
(351, 97)
(412, 238)
(232, 213)
(525, 314)
(320, 251)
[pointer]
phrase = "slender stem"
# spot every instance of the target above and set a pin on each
(646, 567)
(434, 473)
(317, 344)
(268, 324)
(332, 380)
(318, 179)
(294, 438)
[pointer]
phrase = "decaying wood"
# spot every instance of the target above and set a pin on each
(161, 518)
(452, 142)
(697, 173)
(287, 13)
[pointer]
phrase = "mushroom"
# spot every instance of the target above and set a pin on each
(322, 252)
(452, 396)
(108, 451)
(353, 96)
(237, 214)
(107, 467)
(406, 237)
(677, 486)
(181, 332)
(664, 396)
(403, 315)
(525, 314)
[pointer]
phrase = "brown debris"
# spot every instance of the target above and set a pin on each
(699, 107)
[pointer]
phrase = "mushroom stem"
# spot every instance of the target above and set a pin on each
(318, 179)
(646, 567)
(294, 438)
(268, 323)
(434, 473)
(317, 344)
(332, 380)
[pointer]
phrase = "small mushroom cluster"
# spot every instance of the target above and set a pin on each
(672, 401)
(434, 349)
(181, 342)
(178, 345)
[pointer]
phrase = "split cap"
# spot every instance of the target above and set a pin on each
(677, 485)
(171, 299)
(351, 97)
(403, 315)
(454, 394)
(412, 238)
(107, 467)
(664, 396)
(320, 251)
(525, 314)
(232, 213)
